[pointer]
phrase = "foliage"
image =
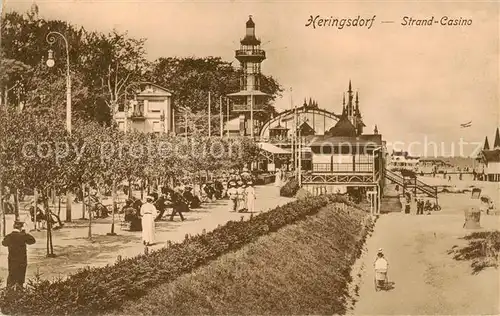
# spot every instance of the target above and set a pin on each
(261, 279)
(482, 250)
(290, 188)
(191, 78)
(96, 290)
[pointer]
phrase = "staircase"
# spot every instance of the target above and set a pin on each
(414, 184)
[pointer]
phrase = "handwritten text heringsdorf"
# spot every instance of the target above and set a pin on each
(318, 21)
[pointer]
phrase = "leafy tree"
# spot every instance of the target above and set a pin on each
(192, 78)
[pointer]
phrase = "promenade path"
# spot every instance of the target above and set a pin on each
(74, 250)
(426, 279)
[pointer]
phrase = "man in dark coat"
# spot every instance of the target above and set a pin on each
(17, 259)
(161, 205)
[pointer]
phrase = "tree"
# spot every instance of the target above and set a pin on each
(113, 61)
(192, 78)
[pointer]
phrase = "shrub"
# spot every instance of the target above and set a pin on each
(303, 269)
(290, 188)
(97, 290)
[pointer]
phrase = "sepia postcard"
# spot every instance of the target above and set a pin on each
(249, 157)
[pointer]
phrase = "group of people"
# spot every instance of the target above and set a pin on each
(425, 206)
(241, 196)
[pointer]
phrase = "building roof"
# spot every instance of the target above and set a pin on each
(344, 127)
(272, 149)
(362, 140)
(491, 155)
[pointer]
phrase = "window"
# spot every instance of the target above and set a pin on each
(321, 167)
(156, 106)
(156, 127)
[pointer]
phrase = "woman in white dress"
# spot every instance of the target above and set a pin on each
(148, 213)
(277, 181)
(250, 196)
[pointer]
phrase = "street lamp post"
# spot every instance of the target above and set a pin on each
(51, 39)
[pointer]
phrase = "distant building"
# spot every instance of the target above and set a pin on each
(149, 111)
(489, 159)
(401, 160)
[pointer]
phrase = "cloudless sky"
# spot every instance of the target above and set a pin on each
(417, 84)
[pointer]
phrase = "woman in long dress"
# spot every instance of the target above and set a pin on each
(148, 213)
(277, 181)
(241, 197)
(250, 196)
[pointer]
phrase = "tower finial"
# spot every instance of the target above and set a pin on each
(343, 99)
(375, 131)
(496, 144)
(350, 87)
(486, 144)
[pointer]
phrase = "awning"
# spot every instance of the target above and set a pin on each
(245, 93)
(272, 149)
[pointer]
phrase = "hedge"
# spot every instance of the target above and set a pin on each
(290, 188)
(97, 290)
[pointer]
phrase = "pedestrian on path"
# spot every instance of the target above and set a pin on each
(232, 192)
(179, 204)
(277, 180)
(250, 197)
(16, 242)
(241, 197)
(148, 213)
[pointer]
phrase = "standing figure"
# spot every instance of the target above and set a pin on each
(232, 193)
(161, 205)
(16, 242)
(250, 195)
(241, 197)
(148, 213)
(277, 181)
(179, 204)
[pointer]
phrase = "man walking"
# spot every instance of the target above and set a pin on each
(17, 259)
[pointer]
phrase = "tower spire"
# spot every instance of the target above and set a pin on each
(357, 103)
(496, 144)
(486, 144)
(350, 87)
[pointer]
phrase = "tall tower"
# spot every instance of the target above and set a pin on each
(249, 99)
(352, 110)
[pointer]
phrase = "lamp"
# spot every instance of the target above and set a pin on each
(50, 59)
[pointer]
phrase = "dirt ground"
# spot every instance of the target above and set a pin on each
(424, 278)
(74, 250)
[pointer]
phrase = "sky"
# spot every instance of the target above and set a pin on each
(417, 83)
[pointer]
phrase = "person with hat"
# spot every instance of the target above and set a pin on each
(250, 196)
(241, 197)
(232, 193)
(381, 266)
(179, 204)
(16, 242)
(148, 213)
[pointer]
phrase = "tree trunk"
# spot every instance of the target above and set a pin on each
(48, 216)
(16, 204)
(113, 194)
(142, 189)
(35, 199)
(129, 188)
(90, 216)
(83, 201)
(2, 209)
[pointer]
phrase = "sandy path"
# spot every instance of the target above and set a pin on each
(426, 279)
(75, 251)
